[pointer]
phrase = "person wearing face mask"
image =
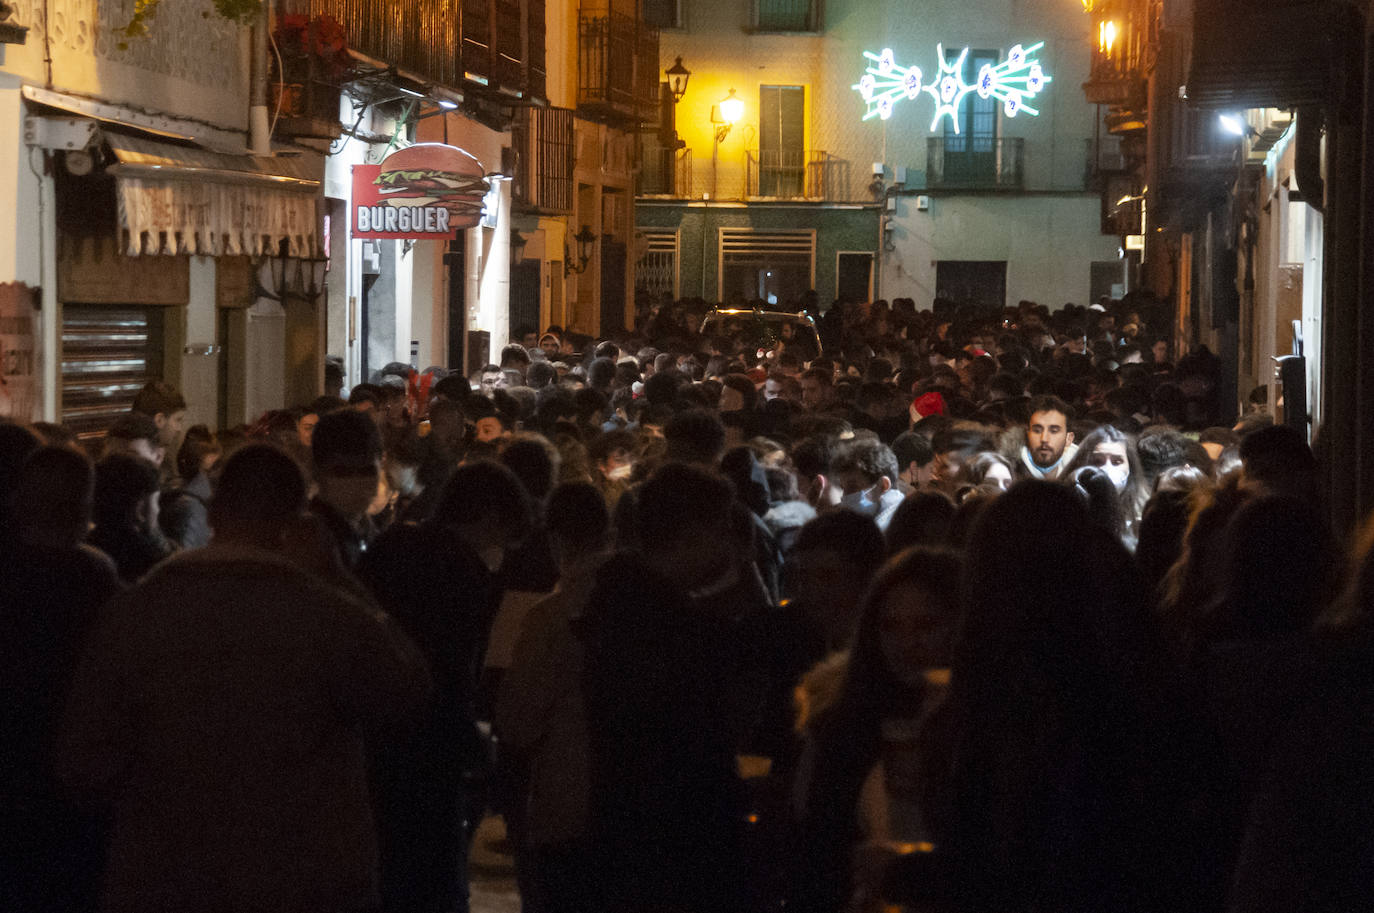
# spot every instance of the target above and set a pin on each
(437, 579)
(612, 455)
(346, 452)
(1113, 451)
(866, 471)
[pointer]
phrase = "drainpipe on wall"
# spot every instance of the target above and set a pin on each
(259, 129)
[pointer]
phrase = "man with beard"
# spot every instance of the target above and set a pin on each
(1049, 443)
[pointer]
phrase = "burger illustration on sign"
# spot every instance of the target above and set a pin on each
(425, 189)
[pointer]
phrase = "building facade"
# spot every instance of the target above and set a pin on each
(183, 197)
(980, 206)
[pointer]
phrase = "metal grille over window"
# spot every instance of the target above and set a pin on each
(656, 271)
(775, 267)
(108, 354)
(543, 139)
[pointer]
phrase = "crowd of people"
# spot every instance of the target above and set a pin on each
(961, 611)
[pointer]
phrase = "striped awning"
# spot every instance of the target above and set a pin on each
(184, 200)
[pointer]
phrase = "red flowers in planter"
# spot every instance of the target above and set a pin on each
(300, 38)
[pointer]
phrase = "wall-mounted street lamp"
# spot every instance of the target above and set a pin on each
(678, 75)
(726, 114)
(1236, 125)
(585, 239)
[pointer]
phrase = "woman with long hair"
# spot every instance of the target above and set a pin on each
(1114, 452)
(875, 777)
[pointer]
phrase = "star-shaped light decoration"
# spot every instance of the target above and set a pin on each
(1013, 82)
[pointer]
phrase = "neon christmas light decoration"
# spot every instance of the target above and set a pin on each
(1013, 82)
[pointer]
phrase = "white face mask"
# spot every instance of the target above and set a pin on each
(861, 502)
(620, 472)
(1119, 475)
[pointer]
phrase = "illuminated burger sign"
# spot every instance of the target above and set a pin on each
(428, 190)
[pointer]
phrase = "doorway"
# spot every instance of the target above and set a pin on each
(982, 283)
(613, 258)
(524, 297)
(854, 276)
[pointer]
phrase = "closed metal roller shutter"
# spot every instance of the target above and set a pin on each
(108, 354)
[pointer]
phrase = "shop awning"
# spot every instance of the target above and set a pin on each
(182, 200)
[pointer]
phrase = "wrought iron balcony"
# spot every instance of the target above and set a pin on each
(618, 69)
(666, 172)
(544, 144)
(498, 44)
(794, 175)
(975, 163)
(1122, 34)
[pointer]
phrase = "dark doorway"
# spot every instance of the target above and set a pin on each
(1108, 277)
(524, 297)
(982, 283)
(613, 255)
(854, 280)
(455, 259)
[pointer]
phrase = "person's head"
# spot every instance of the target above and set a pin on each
(165, 406)
(198, 452)
(137, 434)
(686, 525)
(736, 393)
(491, 377)
(601, 374)
(1047, 431)
(864, 469)
(834, 558)
(612, 454)
(261, 491)
(52, 497)
(126, 493)
(695, 436)
(488, 424)
(549, 344)
(1277, 565)
(485, 506)
(988, 469)
(1279, 459)
(773, 386)
(540, 375)
(535, 463)
(816, 389)
(578, 522)
(813, 458)
(924, 518)
(365, 398)
(346, 452)
(953, 446)
(915, 458)
(402, 460)
(514, 358)
(1114, 452)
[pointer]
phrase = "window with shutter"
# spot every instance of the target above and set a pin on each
(786, 15)
(782, 141)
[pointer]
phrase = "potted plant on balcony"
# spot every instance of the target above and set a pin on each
(311, 64)
(240, 11)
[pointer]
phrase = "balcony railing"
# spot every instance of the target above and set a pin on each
(543, 140)
(1123, 30)
(794, 175)
(618, 68)
(975, 163)
(493, 43)
(666, 172)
